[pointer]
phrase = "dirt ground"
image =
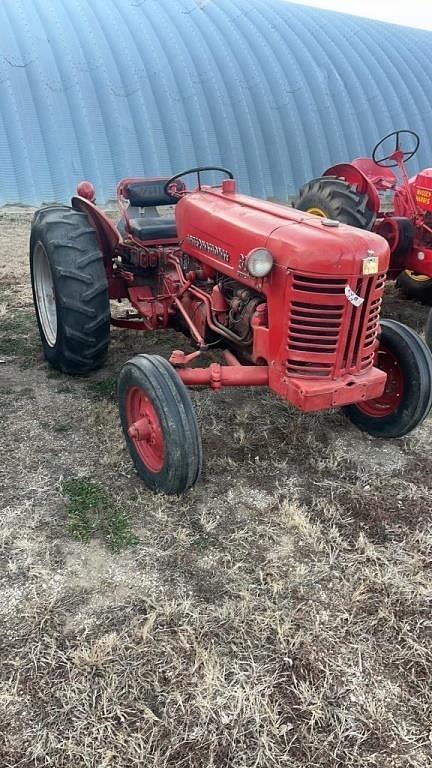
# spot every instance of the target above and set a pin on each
(278, 615)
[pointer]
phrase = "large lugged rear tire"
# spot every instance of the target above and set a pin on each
(159, 424)
(70, 290)
(407, 397)
(334, 198)
(415, 286)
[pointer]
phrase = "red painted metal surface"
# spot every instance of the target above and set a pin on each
(217, 376)
(86, 189)
(107, 234)
(144, 429)
(423, 190)
(327, 335)
(314, 394)
(382, 178)
(230, 359)
(389, 230)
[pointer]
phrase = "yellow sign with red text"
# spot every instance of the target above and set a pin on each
(424, 197)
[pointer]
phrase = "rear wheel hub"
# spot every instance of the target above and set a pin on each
(317, 212)
(416, 277)
(45, 294)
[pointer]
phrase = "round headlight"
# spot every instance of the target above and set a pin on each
(259, 262)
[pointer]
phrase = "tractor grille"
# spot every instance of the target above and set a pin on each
(327, 335)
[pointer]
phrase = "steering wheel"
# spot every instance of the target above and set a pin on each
(179, 193)
(404, 156)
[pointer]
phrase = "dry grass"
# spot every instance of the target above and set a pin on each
(279, 615)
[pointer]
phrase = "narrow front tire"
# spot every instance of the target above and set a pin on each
(159, 424)
(407, 397)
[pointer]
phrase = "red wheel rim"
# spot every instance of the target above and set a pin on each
(389, 230)
(391, 397)
(144, 429)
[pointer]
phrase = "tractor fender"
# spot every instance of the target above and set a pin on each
(353, 175)
(108, 236)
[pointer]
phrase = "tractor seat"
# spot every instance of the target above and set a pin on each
(153, 227)
(144, 220)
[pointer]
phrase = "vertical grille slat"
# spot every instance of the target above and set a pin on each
(327, 335)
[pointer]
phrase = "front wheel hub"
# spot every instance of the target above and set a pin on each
(145, 430)
(391, 398)
(141, 430)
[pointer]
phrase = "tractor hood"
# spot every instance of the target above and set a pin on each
(221, 227)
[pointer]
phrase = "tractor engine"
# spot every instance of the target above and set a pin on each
(230, 305)
(242, 304)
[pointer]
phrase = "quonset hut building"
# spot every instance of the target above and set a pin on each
(101, 89)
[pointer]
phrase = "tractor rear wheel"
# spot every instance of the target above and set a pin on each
(407, 397)
(159, 424)
(334, 198)
(415, 286)
(70, 290)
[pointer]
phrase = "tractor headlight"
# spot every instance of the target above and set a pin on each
(259, 262)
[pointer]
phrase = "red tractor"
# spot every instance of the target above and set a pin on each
(290, 300)
(351, 193)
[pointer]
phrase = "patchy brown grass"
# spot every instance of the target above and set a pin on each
(278, 615)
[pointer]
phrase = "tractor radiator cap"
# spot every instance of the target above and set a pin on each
(330, 223)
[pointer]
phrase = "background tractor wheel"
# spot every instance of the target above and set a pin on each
(415, 286)
(159, 424)
(70, 290)
(407, 397)
(334, 198)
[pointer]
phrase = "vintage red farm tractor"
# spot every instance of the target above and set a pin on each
(292, 301)
(350, 192)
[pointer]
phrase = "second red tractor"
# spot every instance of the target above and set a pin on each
(352, 193)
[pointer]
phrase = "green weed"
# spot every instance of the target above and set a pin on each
(93, 512)
(104, 388)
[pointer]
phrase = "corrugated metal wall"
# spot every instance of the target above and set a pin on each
(101, 89)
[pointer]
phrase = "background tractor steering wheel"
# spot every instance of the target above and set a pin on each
(177, 193)
(390, 161)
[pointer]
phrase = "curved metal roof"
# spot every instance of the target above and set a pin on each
(102, 89)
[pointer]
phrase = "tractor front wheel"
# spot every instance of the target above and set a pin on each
(415, 286)
(334, 198)
(159, 424)
(70, 290)
(428, 330)
(407, 397)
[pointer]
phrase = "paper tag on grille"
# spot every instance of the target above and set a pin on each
(370, 264)
(352, 297)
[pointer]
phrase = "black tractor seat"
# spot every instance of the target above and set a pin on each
(145, 222)
(153, 228)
